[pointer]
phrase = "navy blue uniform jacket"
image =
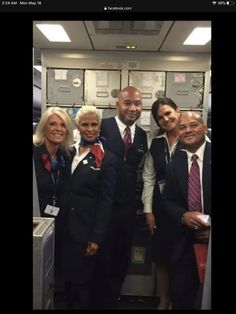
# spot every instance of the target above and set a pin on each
(90, 198)
(127, 165)
(175, 195)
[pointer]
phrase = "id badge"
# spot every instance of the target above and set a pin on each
(52, 210)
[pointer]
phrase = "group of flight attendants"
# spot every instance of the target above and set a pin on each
(89, 187)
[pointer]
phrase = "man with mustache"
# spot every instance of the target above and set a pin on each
(186, 198)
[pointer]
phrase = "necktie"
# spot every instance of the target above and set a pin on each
(194, 186)
(127, 138)
(98, 153)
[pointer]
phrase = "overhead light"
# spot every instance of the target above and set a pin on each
(199, 36)
(130, 46)
(38, 67)
(54, 32)
(179, 58)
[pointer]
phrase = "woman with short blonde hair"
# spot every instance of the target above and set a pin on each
(88, 109)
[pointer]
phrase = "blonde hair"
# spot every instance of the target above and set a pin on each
(88, 109)
(38, 137)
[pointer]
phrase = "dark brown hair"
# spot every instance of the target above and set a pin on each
(160, 102)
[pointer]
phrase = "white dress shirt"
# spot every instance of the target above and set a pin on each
(123, 126)
(77, 158)
(149, 176)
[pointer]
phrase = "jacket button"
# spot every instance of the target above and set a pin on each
(72, 208)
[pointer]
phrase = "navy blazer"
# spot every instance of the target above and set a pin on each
(45, 184)
(160, 156)
(90, 198)
(175, 194)
(127, 165)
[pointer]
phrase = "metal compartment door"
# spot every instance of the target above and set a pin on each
(150, 83)
(102, 87)
(65, 86)
(186, 89)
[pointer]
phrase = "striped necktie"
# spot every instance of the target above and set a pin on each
(194, 186)
(127, 138)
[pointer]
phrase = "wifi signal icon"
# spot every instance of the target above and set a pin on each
(214, 2)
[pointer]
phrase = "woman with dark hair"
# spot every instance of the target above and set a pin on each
(163, 149)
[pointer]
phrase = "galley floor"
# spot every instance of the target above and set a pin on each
(125, 303)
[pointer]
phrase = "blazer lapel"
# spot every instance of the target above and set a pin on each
(206, 178)
(119, 147)
(136, 136)
(182, 173)
(138, 141)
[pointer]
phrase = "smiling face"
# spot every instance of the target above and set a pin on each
(129, 105)
(167, 118)
(191, 130)
(55, 130)
(89, 126)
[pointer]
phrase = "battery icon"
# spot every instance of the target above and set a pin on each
(230, 2)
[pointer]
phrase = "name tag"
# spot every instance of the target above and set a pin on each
(52, 210)
(96, 169)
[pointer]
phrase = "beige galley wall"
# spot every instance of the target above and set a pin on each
(103, 73)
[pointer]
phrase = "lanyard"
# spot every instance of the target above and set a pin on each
(54, 185)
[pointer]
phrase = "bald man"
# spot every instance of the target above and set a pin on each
(191, 229)
(118, 241)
